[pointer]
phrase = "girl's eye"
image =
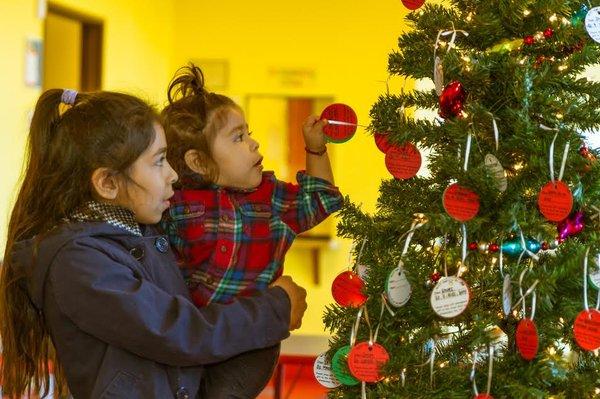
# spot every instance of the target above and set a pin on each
(161, 160)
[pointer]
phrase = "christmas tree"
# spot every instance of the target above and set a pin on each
(480, 278)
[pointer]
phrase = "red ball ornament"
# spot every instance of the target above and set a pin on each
(494, 247)
(545, 246)
(452, 100)
(529, 40)
(473, 246)
(413, 4)
(548, 33)
(435, 277)
(348, 290)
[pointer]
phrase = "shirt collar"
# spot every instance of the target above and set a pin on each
(112, 214)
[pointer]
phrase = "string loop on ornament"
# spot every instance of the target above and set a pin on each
(585, 280)
(386, 304)
(420, 220)
(362, 247)
(490, 371)
(530, 291)
(496, 131)
(551, 157)
(467, 151)
(463, 251)
(524, 246)
(354, 331)
(501, 260)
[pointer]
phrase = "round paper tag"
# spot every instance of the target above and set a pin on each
(460, 202)
(527, 339)
(413, 4)
(347, 290)
(397, 287)
(555, 201)
(495, 169)
(339, 364)
(507, 295)
(592, 23)
(365, 361)
(339, 133)
(404, 161)
(594, 278)
(323, 373)
(381, 141)
(450, 297)
(587, 329)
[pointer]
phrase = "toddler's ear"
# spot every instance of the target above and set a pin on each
(105, 183)
(196, 161)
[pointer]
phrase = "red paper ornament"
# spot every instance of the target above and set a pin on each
(365, 361)
(403, 162)
(381, 140)
(413, 4)
(555, 201)
(529, 40)
(587, 329)
(452, 100)
(460, 202)
(339, 133)
(484, 396)
(347, 290)
(527, 339)
(548, 33)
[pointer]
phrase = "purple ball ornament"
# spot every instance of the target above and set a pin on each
(571, 226)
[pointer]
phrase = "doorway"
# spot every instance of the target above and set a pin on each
(72, 50)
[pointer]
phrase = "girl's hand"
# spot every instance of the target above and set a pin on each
(314, 138)
(297, 297)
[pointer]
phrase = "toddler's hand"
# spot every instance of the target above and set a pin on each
(314, 138)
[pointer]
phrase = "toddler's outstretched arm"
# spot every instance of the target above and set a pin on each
(317, 160)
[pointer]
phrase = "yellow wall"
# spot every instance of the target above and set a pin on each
(335, 48)
(62, 52)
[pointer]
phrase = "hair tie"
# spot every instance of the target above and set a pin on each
(67, 100)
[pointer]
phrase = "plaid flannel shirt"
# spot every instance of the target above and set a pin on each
(233, 242)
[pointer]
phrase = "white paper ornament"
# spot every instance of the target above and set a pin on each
(323, 373)
(494, 167)
(438, 76)
(592, 23)
(397, 287)
(507, 295)
(450, 297)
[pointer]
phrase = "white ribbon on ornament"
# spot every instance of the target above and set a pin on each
(551, 156)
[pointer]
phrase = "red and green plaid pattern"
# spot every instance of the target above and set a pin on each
(231, 242)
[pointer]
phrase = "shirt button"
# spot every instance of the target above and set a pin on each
(161, 244)
(182, 393)
(209, 280)
(137, 252)
(223, 248)
(225, 218)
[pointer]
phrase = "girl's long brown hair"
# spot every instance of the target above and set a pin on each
(101, 129)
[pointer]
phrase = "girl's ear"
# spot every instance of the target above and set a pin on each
(105, 183)
(196, 161)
